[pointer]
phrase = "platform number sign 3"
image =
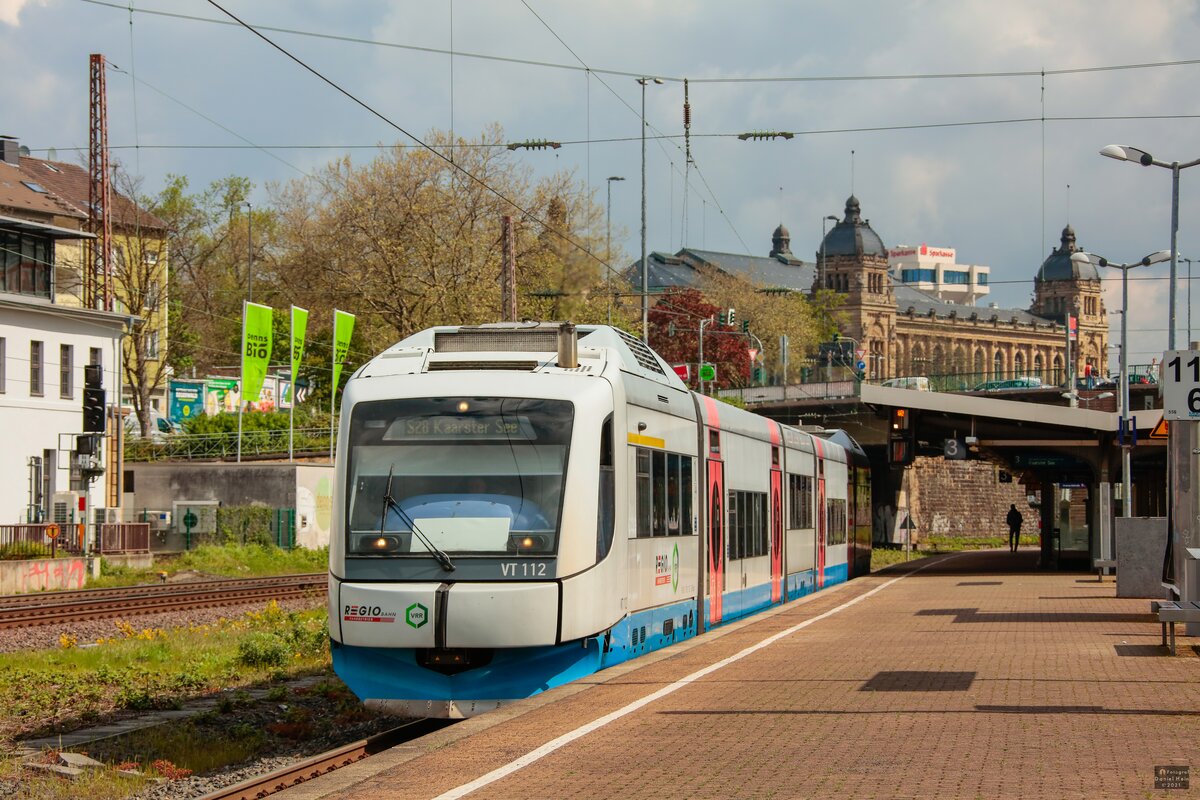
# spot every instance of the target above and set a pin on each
(955, 450)
(1181, 384)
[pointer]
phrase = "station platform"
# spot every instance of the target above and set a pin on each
(966, 675)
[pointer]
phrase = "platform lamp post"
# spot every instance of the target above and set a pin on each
(1158, 257)
(821, 270)
(1189, 300)
(249, 252)
(608, 241)
(1125, 153)
(645, 275)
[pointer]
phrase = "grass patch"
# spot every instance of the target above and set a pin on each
(193, 745)
(230, 561)
(881, 557)
(61, 689)
(954, 544)
(100, 784)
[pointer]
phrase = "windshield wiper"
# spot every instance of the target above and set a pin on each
(389, 503)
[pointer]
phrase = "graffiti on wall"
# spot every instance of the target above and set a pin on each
(51, 574)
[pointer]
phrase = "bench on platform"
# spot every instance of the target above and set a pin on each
(1102, 564)
(1172, 611)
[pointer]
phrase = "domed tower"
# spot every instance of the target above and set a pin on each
(1064, 287)
(781, 243)
(853, 261)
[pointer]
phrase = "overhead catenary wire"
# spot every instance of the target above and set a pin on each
(525, 213)
(957, 75)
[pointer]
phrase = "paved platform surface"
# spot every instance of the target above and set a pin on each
(966, 676)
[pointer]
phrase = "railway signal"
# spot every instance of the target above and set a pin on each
(93, 399)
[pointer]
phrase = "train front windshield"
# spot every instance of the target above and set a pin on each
(460, 475)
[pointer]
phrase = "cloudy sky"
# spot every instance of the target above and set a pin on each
(971, 124)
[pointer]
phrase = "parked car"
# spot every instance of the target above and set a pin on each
(1097, 383)
(1009, 383)
(919, 383)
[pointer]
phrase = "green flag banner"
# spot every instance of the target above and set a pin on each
(256, 349)
(343, 327)
(299, 323)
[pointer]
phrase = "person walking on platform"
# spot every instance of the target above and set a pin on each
(1014, 520)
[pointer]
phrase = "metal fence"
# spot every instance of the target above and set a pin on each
(122, 538)
(215, 446)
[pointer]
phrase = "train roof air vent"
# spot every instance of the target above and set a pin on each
(512, 366)
(643, 354)
(540, 339)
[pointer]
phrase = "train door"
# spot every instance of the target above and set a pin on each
(776, 522)
(716, 530)
(822, 524)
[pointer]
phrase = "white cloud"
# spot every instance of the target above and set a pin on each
(10, 10)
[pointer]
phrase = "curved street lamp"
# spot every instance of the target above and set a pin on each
(1082, 257)
(1122, 152)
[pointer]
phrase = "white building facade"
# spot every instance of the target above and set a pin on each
(43, 350)
(935, 271)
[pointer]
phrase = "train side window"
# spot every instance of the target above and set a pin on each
(664, 493)
(686, 489)
(774, 456)
(835, 531)
(643, 492)
(747, 524)
(800, 501)
(714, 442)
(606, 507)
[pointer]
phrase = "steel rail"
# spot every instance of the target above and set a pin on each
(202, 594)
(282, 779)
(8, 602)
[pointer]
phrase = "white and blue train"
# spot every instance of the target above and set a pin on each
(521, 505)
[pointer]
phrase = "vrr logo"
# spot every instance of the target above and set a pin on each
(416, 615)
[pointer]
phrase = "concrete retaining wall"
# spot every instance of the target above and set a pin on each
(45, 574)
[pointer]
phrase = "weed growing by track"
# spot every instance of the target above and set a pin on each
(139, 669)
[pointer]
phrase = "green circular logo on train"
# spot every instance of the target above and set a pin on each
(416, 615)
(675, 569)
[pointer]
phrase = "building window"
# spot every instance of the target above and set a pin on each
(26, 264)
(66, 368)
(981, 278)
(35, 369)
(664, 493)
(95, 356)
(955, 277)
(917, 275)
(747, 525)
(151, 348)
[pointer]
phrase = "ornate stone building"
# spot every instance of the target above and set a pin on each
(908, 332)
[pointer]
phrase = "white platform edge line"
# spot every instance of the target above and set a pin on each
(584, 730)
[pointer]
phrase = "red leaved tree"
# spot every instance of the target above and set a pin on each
(675, 335)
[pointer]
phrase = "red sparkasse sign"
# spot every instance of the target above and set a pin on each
(684, 371)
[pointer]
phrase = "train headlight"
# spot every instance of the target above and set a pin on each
(382, 544)
(463, 406)
(528, 543)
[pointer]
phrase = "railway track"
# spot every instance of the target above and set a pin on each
(57, 607)
(324, 763)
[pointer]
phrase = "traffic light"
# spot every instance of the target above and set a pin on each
(745, 326)
(837, 337)
(902, 445)
(758, 375)
(93, 399)
(722, 319)
(729, 318)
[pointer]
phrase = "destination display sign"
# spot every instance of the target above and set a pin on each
(461, 427)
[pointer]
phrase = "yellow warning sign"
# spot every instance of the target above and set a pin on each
(1160, 430)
